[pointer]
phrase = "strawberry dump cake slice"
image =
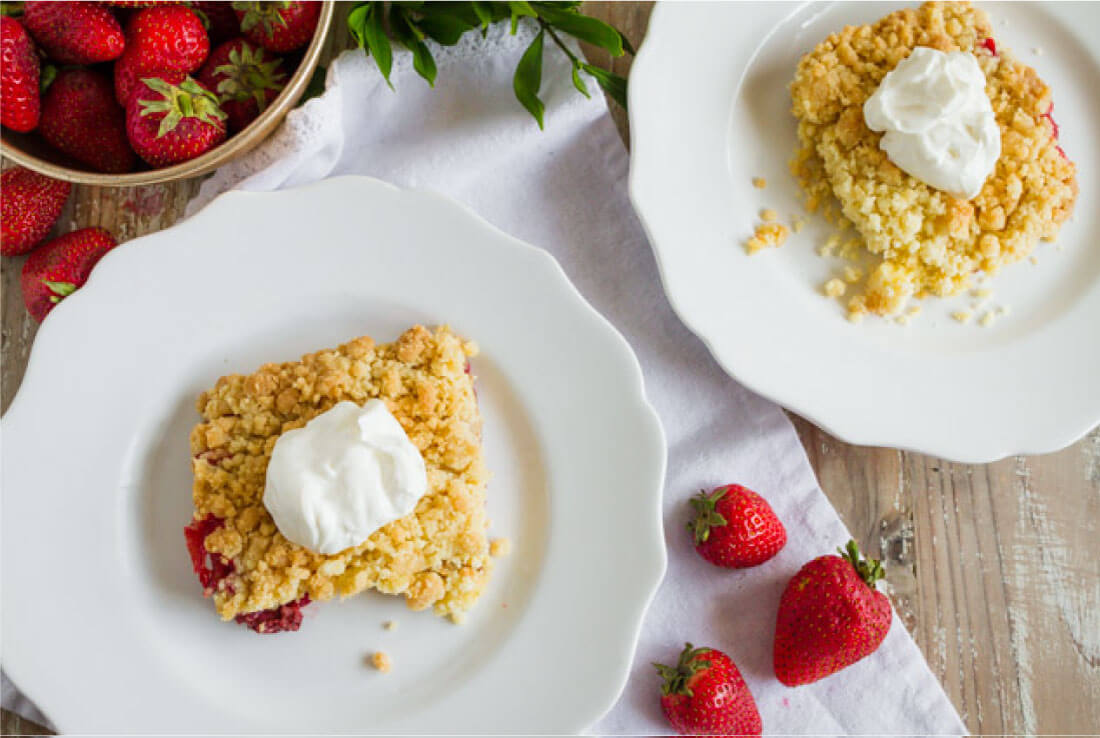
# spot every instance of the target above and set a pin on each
(419, 391)
(923, 236)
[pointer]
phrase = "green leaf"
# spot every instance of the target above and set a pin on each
(578, 82)
(409, 36)
(444, 29)
(592, 30)
(613, 84)
(519, 9)
(483, 13)
(365, 26)
(528, 79)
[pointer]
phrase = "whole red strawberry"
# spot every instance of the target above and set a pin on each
(244, 79)
(173, 118)
(60, 267)
(81, 118)
(19, 70)
(278, 26)
(160, 39)
(30, 206)
(704, 694)
(830, 616)
(735, 527)
(74, 32)
(220, 20)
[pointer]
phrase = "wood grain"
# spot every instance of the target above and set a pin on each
(994, 569)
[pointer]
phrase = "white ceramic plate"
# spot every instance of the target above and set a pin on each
(104, 625)
(709, 110)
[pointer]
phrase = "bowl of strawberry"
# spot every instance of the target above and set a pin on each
(131, 93)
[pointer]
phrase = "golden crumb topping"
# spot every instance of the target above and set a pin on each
(925, 241)
(438, 556)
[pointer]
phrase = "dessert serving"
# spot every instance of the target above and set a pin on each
(939, 147)
(354, 468)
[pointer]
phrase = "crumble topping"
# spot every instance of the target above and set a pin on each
(926, 241)
(381, 660)
(767, 234)
(438, 556)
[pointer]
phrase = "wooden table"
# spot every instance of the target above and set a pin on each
(995, 568)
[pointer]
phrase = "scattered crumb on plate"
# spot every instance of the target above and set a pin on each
(834, 287)
(390, 625)
(963, 316)
(767, 234)
(759, 183)
(381, 660)
(768, 215)
(500, 547)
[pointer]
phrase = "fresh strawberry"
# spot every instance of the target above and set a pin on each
(165, 38)
(81, 118)
(220, 20)
(173, 118)
(19, 70)
(704, 694)
(60, 267)
(830, 616)
(244, 80)
(136, 3)
(278, 26)
(735, 527)
(30, 206)
(74, 32)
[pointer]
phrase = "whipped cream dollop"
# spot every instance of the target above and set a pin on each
(342, 476)
(938, 122)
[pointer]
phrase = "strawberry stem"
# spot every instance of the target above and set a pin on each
(676, 677)
(707, 515)
(869, 570)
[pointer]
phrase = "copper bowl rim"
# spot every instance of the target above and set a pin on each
(236, 145)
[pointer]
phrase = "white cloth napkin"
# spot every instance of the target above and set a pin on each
(564, 189)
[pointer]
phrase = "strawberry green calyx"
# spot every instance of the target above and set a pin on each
(869, 570)
(265, 14)
(60, 290)
(188, 99)
(677, 677)
(248, 76)
(707, 515)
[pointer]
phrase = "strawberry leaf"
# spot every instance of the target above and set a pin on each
(59, 289)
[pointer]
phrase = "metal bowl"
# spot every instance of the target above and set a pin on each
(31, 151)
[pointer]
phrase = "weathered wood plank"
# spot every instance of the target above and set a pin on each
(995, 569)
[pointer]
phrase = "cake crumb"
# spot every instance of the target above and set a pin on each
(1003, 310)
(1034, 259)
(914, 310)
(767, 234)
(768, 215)
(390, 625)
(500, 547)
(982, 293)
(797, 223)
(834, 287)
(852, 274)
(381, 661)
(963, 316)
(902, 319)
(1037, 50)
(827, 248)
(987, 319)
(759, 183)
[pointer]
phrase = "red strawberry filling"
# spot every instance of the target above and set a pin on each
(277, 619)
(990, 44)
(212, 569)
